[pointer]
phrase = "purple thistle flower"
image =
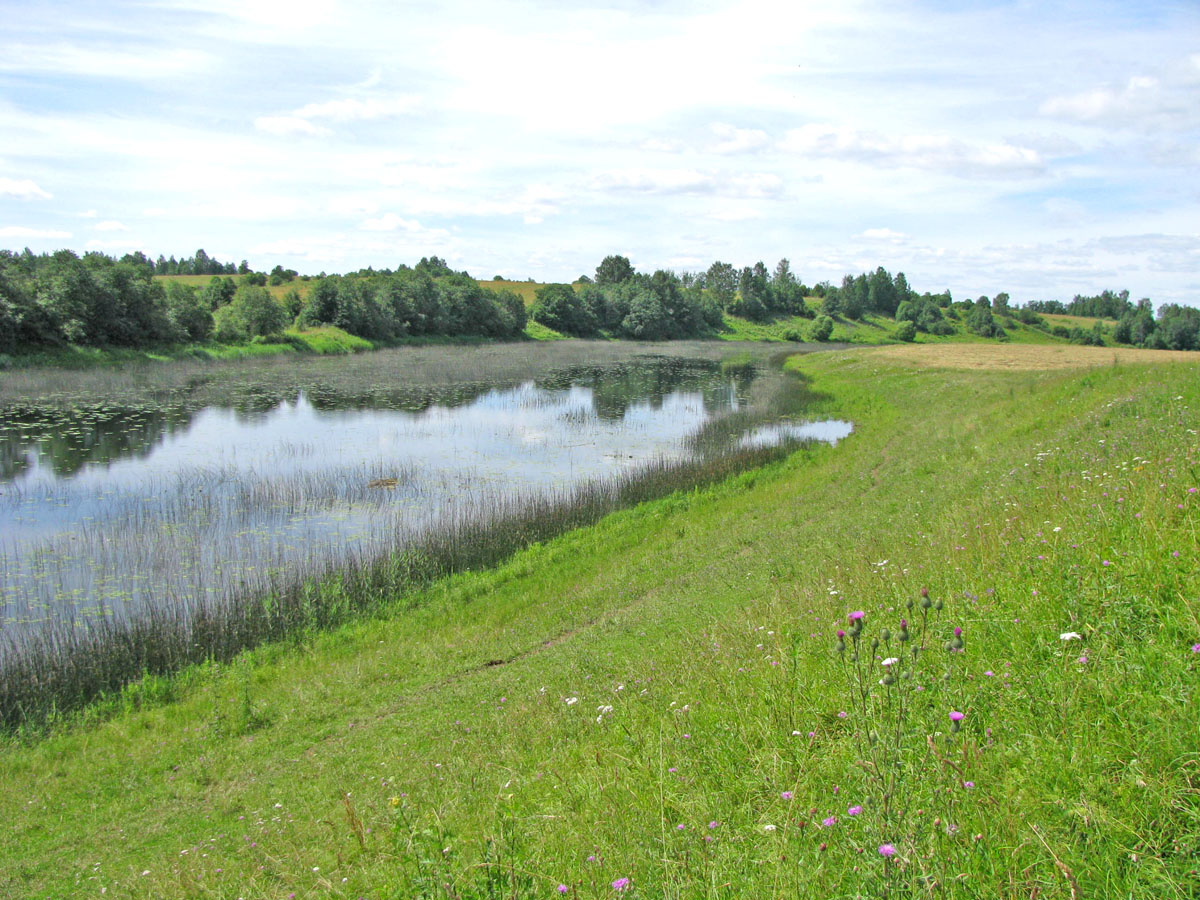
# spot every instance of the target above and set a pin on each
(621, 884)
(829, 822)
(856, 615)
(841, 634)
(956, 716)
(562, 888)
(854, 810)
(1196, 648)
(957, 631)
(786, 795)
(887, 851)
(713, 824)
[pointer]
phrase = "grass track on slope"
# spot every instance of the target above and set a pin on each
(468, 740)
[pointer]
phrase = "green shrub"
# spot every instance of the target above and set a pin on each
(822, 328)
(906, 332)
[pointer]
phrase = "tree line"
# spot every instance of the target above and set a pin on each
(1174, 327)
(54, 299)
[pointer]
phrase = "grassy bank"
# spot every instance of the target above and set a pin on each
(658, 697)
(321, 341)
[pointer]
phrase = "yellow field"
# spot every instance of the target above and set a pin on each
(277, 290)
(1085, 322)
(1023, 356)
(526, 289)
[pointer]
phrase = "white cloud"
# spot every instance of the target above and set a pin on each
(110, 225)
(935, 153)
(390, 222)
(355, 110)
(146, 64)
(883, 234)
(18, 231)
(22, 189)
(286, 126)
(124, 245)
(739, 140)
(688, 181)
(1143, 102)
(738, 213)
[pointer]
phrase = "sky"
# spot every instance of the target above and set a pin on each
(1044, 149)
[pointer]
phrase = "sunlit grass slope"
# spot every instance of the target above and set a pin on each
(657, 702)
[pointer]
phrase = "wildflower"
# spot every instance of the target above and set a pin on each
(1070, 636)
(829, 822)
(887, 851)
(1082, 660)
(956, 716)
(713, 824)
(1196, 648)
(562, 888)
(969, 785)
(856, 615)
(571, 701)
(890, 661)
(854, 811)
(768, 828)
(786, 795)
(842, 714)
(621, 884)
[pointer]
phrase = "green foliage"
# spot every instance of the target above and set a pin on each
(614, 270)
(495, 730)
(189, 311)
(558, 306)
(253, 312)
(822, 328)
(906, 331)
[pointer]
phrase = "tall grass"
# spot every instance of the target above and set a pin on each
(221, 560)
(657, 701)
(58, 667)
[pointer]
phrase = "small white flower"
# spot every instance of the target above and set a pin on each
(768, 828)
(891, 661)
(1070, 636)
(571, 701)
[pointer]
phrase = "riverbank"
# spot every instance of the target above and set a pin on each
(658, 697)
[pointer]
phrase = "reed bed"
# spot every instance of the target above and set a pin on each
(226, 559)
(62, 665)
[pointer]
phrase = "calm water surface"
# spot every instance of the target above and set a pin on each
(105, 507)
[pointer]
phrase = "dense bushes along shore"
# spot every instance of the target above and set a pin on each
(59, 299)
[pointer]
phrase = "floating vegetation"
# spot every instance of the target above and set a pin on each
(213, 528)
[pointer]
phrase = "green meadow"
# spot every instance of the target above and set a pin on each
(661, 705)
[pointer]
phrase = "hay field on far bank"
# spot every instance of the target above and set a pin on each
(1024, 357)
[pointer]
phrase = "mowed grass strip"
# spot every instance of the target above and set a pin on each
(657, 698)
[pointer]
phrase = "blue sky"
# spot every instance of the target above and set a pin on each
(1040, 148)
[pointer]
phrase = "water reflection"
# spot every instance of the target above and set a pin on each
(106, 508)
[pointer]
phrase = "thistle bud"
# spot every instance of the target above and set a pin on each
(908, 604)
(925, 601)
(885, 635)
(938, 605)
(888, 680)
(875, 643)
(841, 647)
(873, 737)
